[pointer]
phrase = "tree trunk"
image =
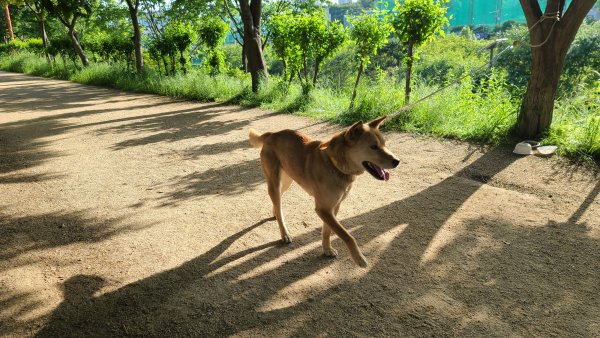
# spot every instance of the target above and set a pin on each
(251, 13)
(551, 40)
(317, 64)
(165, 63)
(8, 22)
(535, 115)
(44, 38)
(137, 35)
(244, 58)
(182, 62)
(409, 64)
(360, 71)
(77, 47)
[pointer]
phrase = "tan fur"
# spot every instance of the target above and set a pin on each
(325, 171)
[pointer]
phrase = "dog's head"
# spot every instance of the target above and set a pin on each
(365, 147)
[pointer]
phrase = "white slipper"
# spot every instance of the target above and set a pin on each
(523, 148)
(545, 151)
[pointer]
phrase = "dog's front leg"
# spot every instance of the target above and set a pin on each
(326, 240)
(327, 215)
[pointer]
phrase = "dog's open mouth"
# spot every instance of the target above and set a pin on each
(376, 171)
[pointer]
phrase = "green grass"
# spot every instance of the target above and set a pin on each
(483, 112)
(576, 125)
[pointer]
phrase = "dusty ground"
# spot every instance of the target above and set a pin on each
(127, 214)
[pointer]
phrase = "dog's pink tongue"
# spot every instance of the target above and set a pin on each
(382, 172)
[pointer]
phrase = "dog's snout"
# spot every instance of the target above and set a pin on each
(395, 162)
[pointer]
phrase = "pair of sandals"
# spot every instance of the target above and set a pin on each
(534, 148)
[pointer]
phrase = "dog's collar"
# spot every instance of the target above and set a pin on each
(335, 164)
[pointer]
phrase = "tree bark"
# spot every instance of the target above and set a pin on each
(551, 41)
(316, 72)
(244, 58)
(137, 35)
(408, 80)
(44, 35)
(77, 47)
(8, 22)
(360, 71)
(251, 13)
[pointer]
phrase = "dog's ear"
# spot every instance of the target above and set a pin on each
(353, 133)
(377, 122)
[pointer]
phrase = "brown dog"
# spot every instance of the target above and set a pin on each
(325, 171)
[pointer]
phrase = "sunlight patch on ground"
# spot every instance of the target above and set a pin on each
(29, 298)
(290, 255)
(327, 277)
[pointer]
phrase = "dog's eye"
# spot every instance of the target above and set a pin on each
(374, 147)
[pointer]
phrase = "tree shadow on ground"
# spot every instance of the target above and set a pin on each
(23, 234)
(23, 143)
(226, 180)
(181, 125)
(194, 153)
(49, 96)
(22, 147)
(533, 281)
(218, 294)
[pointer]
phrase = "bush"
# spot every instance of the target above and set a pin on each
(338, 72)
(13, 47)
(576, 125)
(485, 112)
(36, 46)
(233, 55)
(452, 56)
(62, 46)
(583, 58)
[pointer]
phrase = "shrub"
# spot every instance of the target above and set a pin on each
(212, 33)
(576, 125)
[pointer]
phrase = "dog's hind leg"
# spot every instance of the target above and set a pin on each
(286, 182)
(275, 185)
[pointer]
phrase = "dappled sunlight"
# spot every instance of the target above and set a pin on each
(31, 299)
(497, 201)
(444, 236)
(225, 180)
(27, 234)
(146, 221)
(329, 276)
(379, 246)
(521, 271)
(292, 253)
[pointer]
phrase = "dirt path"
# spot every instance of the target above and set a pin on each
(128, 214)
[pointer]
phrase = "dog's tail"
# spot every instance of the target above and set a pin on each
(257, 139)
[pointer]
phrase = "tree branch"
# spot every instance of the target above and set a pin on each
(37, 12)
(532, 11)
(246, 15)
(554, 6)
(235, 22)
(255, 9)
(574, 17)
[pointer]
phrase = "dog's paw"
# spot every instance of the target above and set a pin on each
(362, 261)
(287, 239)
(331, 252)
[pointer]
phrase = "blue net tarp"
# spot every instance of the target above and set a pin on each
(479, 12)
